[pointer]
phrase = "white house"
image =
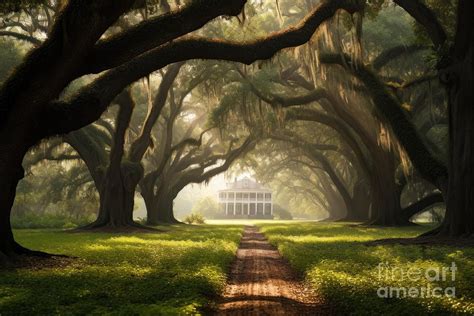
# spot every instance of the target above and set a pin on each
(246, 199)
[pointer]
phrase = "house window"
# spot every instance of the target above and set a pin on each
(231, 195)
(230, 208)
(252, 196)
(239, 196)
(246, 196)
(238, 208)
(268, 209)
(260, 196)
(260, 208)
(268, 196)
(252, 209)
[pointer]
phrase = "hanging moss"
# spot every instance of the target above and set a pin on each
(392, 111)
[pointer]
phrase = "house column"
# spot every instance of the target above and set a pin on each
(256, 202)
(248, 204)
(235, 197)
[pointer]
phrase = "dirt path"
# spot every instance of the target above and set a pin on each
(262, 283)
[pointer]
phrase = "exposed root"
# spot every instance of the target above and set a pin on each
(36, 263)
(432, 232)
(170, 222)
(377, 224)
(130, 227)
(350, 220)
(330, 220)
(20, 250)
(21, 257)
(4, 260)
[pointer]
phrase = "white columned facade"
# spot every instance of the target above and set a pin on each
(246, 199)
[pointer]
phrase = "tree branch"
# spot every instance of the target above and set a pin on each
(284, 101)
(154, 32)
(141, 144)
(198, 175)
(90, 102)
(421, 205)
(428, 166)
(423, 15)
(22, 37)
(395, 52)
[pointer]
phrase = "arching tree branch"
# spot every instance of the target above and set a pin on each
(154, 32)
(425, 16)
(395, 52)
(428, 166)
(22, 37)
(91, 101)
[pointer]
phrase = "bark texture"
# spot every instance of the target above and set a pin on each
(458, 77)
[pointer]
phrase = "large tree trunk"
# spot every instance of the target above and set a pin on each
(165, 211)
(160, 209)
(386, 208)
(336, 205)
(459, 219)
(359, 210)
(8, 184)
(117, 192)
(117, 199)
(12, 173)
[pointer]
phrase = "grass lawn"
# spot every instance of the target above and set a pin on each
(178, 271)
(333, 259)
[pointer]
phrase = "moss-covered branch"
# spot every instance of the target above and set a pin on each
(387, 104)
(426, 17)
(156, 31)
(90, 102)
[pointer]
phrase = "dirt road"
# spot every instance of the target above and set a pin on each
(262, 283)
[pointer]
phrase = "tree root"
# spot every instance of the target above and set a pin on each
(20, 250)
(169, 222)
(101, 226)
(21, 257)
(431, 233)
(376, 223)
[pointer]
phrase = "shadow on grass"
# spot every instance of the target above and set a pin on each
(336, 260)
(173, 272)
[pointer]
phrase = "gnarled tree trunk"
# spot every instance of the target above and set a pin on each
(386, 208)
(12, 173)
(459, 219)
(8, 183)
(117, 198)
(160, 208)
(336, 204)
(359, 210)
(117, 192)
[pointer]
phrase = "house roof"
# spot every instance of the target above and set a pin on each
(245, 184)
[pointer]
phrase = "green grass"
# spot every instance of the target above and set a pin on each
(182, 270)
(334, 259)
(179, 271)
